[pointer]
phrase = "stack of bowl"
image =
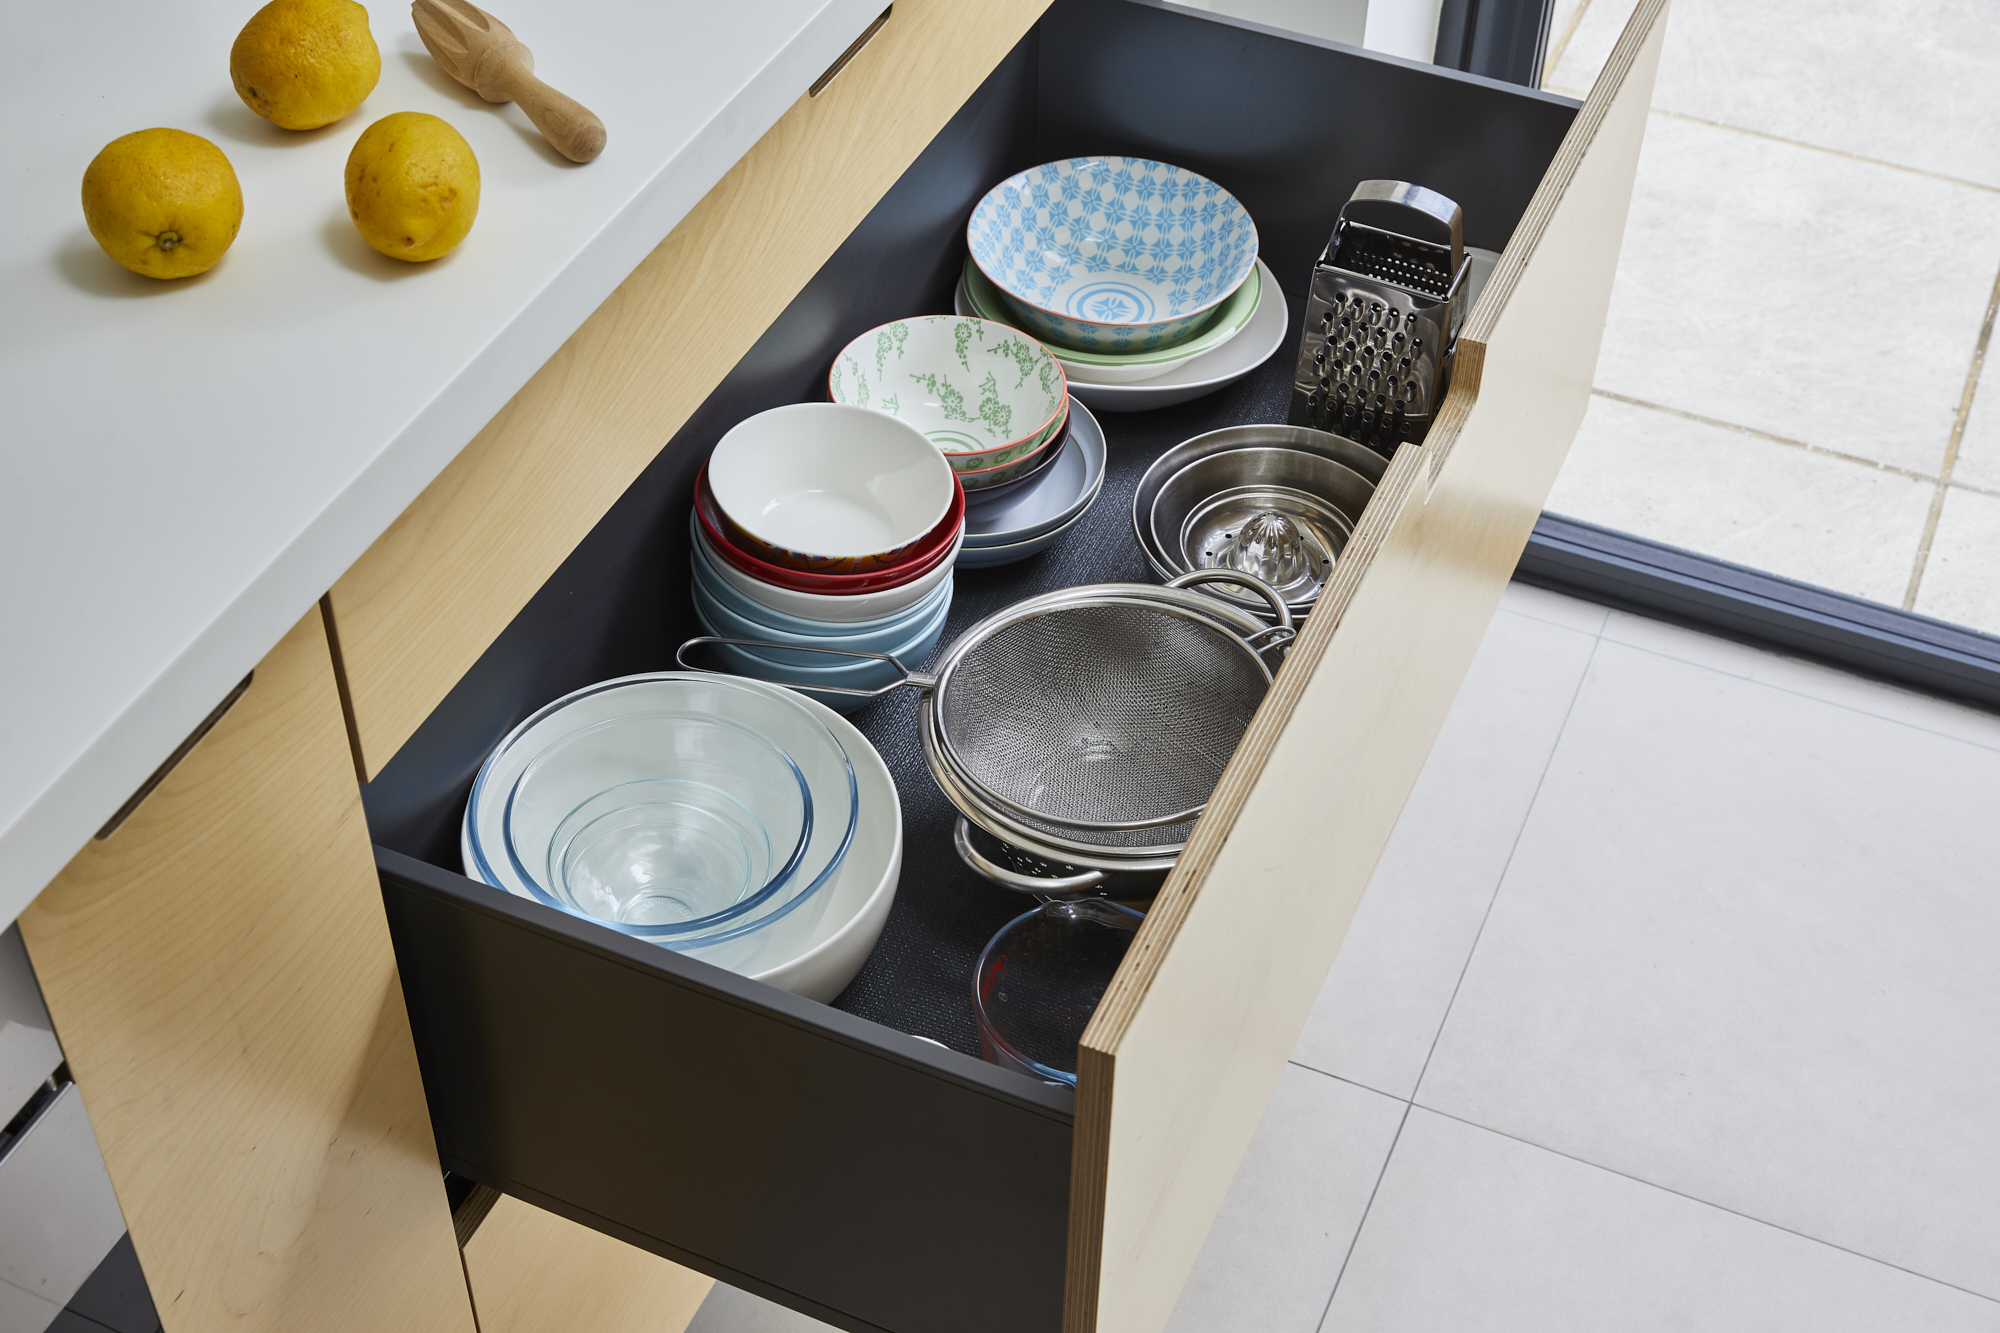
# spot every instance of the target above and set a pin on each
(1275, 502)
(1129, 269)
(1015, 522)
(728, 819)
(993, 401)
(820, 530)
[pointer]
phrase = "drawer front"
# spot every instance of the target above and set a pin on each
(413, 614)
(923, 1190)
(1187, 1046)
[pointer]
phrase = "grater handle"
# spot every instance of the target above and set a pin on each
(1411, 210)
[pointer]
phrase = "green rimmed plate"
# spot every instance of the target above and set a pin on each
(1230, 319)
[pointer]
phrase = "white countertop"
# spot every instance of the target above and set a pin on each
(185, 467)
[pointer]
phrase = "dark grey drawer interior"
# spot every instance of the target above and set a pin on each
(817, 1154)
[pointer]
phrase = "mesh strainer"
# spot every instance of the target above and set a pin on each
(1096, 720)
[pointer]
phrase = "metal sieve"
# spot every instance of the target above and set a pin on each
(1097, 719)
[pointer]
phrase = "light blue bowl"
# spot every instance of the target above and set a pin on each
(887, 639)
(1112, 254)
(766, 619)
(866, 674)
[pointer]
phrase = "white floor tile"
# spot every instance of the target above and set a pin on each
(728, 1310)
(1905, 81)
(1922, 711)
(1744, 951)
(1392, 982)
(1271, 1259)
(1473, 1231)
(1753, 289)
(1962, 578)
(1848, 526)
(1979, 451)
(1584, 23)
(1553, 607)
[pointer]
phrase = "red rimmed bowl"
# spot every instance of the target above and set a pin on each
(924, 555)
(828, 488)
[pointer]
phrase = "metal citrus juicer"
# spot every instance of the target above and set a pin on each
(1384, 312)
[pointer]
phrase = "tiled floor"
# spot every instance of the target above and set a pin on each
(1671, 1007)
(1790, 371)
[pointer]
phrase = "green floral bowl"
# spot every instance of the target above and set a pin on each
(983, 393)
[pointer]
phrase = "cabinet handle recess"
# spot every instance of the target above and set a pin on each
(819, 84)
(180, 753)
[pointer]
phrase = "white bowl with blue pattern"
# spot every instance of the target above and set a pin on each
(1112, 254)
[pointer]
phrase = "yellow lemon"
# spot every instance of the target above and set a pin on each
(164, 203)
(412, 186)
(301, 64)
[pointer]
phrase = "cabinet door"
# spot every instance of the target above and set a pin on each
(420, 606)
(1187, 1045)
(220, 975)
(533, 1272)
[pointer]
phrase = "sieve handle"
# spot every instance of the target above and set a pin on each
(961, 839)
(921, 680)
(1241, 580)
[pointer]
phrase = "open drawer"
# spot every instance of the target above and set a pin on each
(821, 1155)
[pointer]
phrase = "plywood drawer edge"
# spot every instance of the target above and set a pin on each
(417, 609)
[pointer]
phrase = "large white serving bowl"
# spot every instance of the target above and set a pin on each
(846, 608)
(819, 964)
(599, 717)
(830, 487)
(1112, 254)
(1270, 327)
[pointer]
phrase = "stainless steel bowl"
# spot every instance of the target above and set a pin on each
(1301, 491)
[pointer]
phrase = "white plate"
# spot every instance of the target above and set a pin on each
(987, 557)
(858, 898)
(1267, 331)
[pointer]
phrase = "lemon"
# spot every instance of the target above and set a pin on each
(164, 203)
(301, 64)
(412, 186)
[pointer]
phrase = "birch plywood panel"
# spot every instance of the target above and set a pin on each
(426, 599)
(220, 976)
(533, 1272)
(1183, 1053)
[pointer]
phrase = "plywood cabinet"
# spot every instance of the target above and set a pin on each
(820, 1155)
(222, 969)
(221, 979)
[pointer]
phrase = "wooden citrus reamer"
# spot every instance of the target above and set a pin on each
(482, 53)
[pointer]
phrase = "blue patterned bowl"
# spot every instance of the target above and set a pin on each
(1112, 254)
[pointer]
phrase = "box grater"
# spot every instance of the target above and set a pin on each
(1382, 317)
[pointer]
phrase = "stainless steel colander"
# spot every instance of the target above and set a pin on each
(1091, 723)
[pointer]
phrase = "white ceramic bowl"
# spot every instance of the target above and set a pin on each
(1112, 254)
(830, 487)
(987, 557)
(849, 608)
(819, 963)
(983, 393)
(819, 960)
